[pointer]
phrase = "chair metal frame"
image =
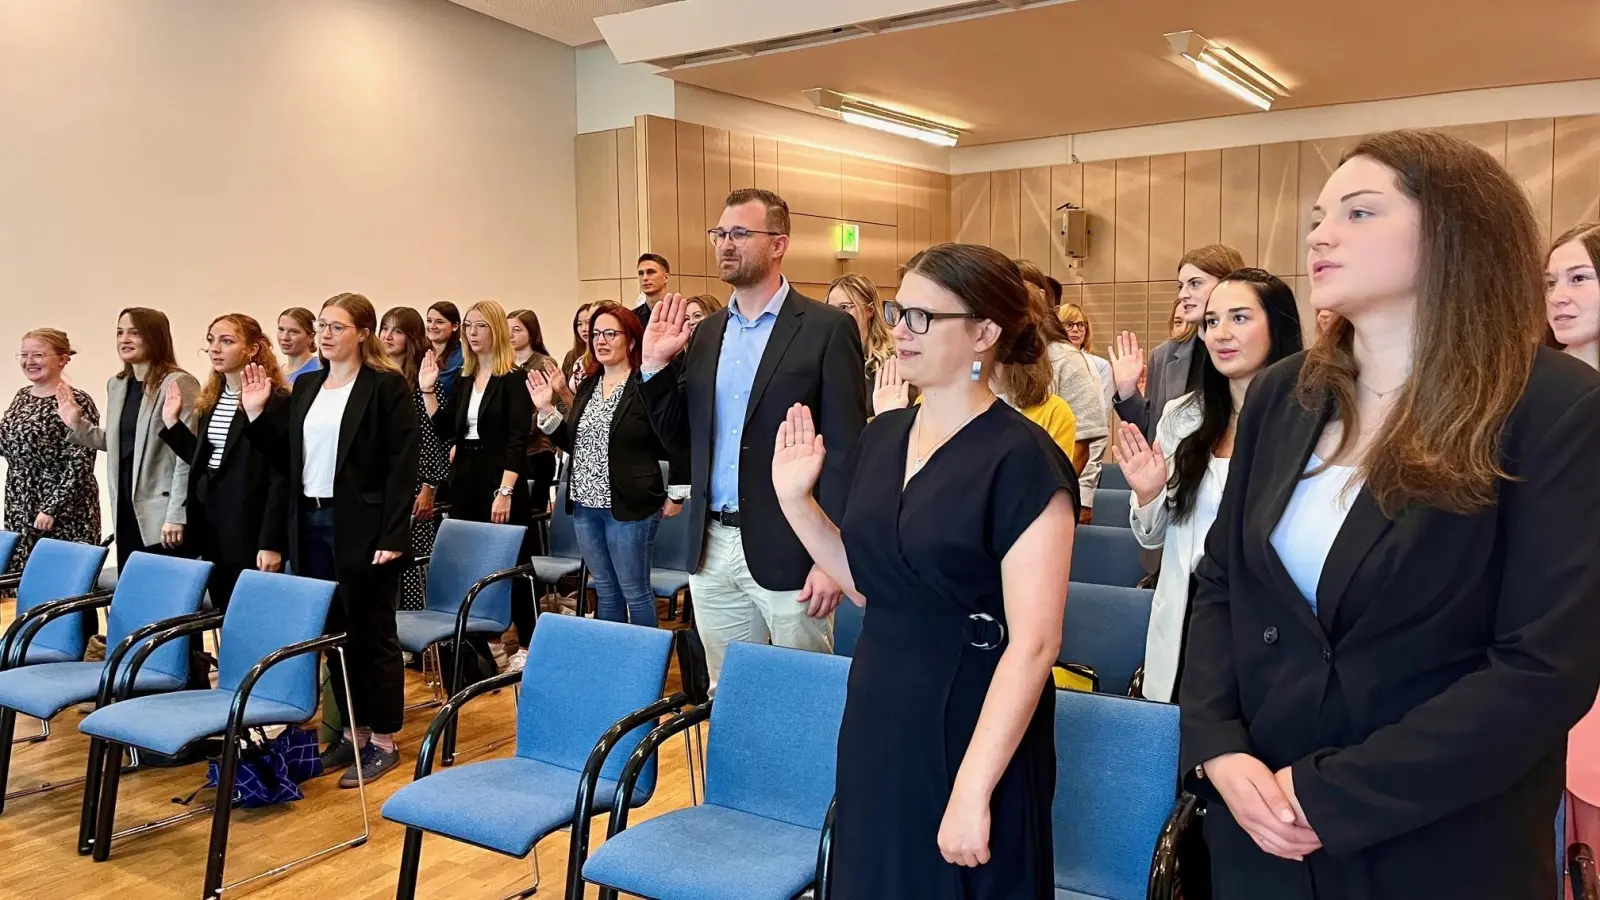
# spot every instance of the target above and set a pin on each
(1163, 884)
(822, 884)
(583, 810)
(100, 794)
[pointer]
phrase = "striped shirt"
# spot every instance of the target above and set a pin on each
(221, 421)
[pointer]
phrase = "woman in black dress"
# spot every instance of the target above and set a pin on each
(406, 342)
(959, 530)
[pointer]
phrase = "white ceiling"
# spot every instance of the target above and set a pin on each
(569, 21)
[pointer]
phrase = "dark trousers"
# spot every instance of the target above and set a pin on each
(363, 608)
(541, 475)
(474, 476)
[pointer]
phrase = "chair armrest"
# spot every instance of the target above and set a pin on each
(465, 612)
(541, 516)
(148, 639)
(10, 581)
(26, 626)
(641, 754)
(248, 683)
(1164, 865)
(583, 809)
(824, 882)
(430, 741)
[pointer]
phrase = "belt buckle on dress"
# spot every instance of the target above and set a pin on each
(985, 617)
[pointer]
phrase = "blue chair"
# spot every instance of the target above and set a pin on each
(764, 831)
(153, 590)
(1102, 554)
(468, 592)
(55, 570)
(1111, 478)
(564, 771)
(1111, 508)
(564, 559)
(1116, 816)
(8, 546)
(670, 564)
(1104, 629)
(847, 622)
(267, 675)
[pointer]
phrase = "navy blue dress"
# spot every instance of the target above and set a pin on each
(927, 558)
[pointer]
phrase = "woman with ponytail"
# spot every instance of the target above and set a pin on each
(959, 528)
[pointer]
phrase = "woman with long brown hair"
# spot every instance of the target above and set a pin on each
(1394, 623)
(349, 447)
(405, 340)
(148, 482)
(579, 361)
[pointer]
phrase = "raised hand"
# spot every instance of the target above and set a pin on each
(428, 373)
(255, 389)
(1127, 364)
(889, 390)
(558, 382)
(1144, 466)
(67, 406)
(542, 392)
(797, 459)
(667, 334)
(172, 404)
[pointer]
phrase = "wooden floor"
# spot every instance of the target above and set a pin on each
(38, 834)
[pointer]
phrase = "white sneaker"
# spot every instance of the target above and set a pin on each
(517, 661)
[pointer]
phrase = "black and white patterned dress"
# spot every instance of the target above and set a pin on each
(433, 464)
(591, 450)
(45, 473)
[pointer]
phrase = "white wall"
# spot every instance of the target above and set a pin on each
(610, 95)
(205, 157)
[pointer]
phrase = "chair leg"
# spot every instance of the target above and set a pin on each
(91, 795)
(221, 811)
(688, 754)
(410, 861)
(44, 734)
(8, 727)
(106, 815)
(447, 751)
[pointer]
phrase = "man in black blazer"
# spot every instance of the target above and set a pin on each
(721, 404)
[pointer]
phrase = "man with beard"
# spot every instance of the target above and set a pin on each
(722, 403)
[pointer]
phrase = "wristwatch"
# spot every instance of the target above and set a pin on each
(502, 491)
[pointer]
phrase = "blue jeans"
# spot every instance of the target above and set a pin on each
(618, 555)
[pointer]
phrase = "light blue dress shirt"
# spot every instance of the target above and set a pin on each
(743, 342)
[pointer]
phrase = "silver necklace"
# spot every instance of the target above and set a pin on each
(918, 459)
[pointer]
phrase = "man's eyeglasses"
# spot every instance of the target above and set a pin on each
(608, 335)
(737, 235)
(333, 328)
(917, 320)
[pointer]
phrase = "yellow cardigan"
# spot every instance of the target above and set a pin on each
(1056, 418)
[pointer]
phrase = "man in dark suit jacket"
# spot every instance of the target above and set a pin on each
(654, 272)
(721, 404)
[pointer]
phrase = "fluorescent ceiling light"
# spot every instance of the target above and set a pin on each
(1226, 69)
(870, 115)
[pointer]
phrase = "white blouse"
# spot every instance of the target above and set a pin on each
(1312, 521)
(473, 405)
(1184, 543)
(321, 436)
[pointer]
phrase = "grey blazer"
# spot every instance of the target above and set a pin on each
(160, 479)
(1168, 380)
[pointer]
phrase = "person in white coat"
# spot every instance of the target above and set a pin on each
(1250, 322)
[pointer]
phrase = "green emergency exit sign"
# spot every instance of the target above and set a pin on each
(847, 244)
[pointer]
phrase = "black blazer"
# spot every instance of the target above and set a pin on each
(814, 357)
(505, 418)
(634, 453)
(244, 505)
(1425, 706)
(375, 483)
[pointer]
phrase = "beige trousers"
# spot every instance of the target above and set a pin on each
(730, 606)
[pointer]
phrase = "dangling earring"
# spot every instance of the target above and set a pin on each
(977, 369)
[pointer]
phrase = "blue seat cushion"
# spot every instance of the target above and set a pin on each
(708, 853)
(44, 690)
(37, 656)
(1064, 894)
(668, 582)
(419, 629)
(551, 569)
(505, 805)
(166, 723)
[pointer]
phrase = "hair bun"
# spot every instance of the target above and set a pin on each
(1028, 348)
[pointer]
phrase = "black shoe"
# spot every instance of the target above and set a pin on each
(375, 763)
(339, 755)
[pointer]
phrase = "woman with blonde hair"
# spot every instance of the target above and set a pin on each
(701, 307)
(239, 503)
(857, 295)
(50, 485)
(349, 448)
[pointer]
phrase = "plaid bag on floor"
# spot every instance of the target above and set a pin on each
(269, 770)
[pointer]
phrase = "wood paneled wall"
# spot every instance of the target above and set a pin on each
(1145, 212)
(659, 185)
